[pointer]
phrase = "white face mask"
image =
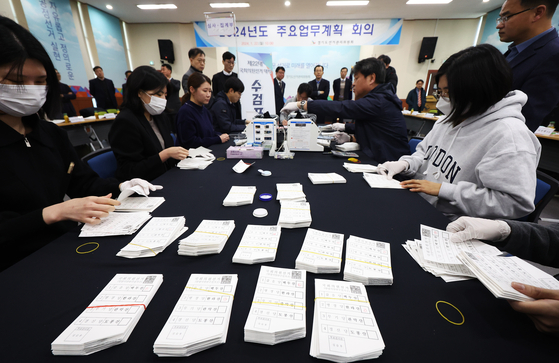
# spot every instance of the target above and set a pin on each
(22, 100)
(444, 105)
(156, 105)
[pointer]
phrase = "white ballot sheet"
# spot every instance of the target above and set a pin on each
(380, 181)
(239, 195)
(138, 204)
(241, 166)
(360, 168)
(158, 233)
(259, 244)
(368, 261)
(290, 192)
(326, 178)
(209, 238)
(116, 224)
(295, 215)
(321, 252)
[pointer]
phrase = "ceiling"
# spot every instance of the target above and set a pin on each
(274, 10)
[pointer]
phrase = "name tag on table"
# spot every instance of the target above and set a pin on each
(544, 131)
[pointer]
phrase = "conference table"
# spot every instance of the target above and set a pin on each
(89, 132)
(46, 291)
(550, 153)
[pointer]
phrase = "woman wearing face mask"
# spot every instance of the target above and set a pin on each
(194, 121)
(479, 160)
(140, 136)
(38, 164)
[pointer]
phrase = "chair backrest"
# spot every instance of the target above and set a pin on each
(546, 188)
(413, 144)
(103, 162)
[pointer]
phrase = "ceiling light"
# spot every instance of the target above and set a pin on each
(346, 3)
(229, 5)
(485, 1)
(287, 3)
(110, 7)
(156, 6)
(414, 2)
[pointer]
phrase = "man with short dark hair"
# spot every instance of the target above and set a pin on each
(416, 97)
(379, 128)
(320, 90)
(303, 92)
(223, 110)
(103, 89)
(533, 56)
(391, 76)
(126, 75)
(219, 79)
(197, 59)
(173, 89)
(342, 88)
(279, 88)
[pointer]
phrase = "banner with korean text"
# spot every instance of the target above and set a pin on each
(255, 70)
(303, 34)
(51, 22)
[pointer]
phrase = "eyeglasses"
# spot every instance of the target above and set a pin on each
(504, 19)
(443, 94)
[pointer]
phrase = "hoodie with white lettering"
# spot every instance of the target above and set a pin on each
(486, 165)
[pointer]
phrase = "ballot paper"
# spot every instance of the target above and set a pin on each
(326, 178)
(321, 252)
(198, 159)
(158, 233)
(241, 166)
(360, 168)
(259, 244)
(344, 326)
(295, 215)
(209, 238)
(278, 311)
(348, 146)
(200, 319)
(498, 272)
(368, 261)
(137, 204)
(380, 181)
(290, 192)
(116, 224)
(111, 317)
(239, 196)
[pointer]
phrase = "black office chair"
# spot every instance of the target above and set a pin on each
(103, 162)
(546, 188)
(90, 111)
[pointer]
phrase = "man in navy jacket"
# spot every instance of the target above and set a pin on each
(413, 97)
(223, 110)
(533, 55)
(379, 125)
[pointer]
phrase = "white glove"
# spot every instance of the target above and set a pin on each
(391, 168)
(338, 126)
(341, 138)
(468, 228)
(289, 107)
(141, 183)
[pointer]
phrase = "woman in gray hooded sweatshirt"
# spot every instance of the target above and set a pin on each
(480, 159)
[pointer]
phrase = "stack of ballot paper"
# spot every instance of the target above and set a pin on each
(321, 252)
(344, 326)
(498, 272)
(348, 146)
(200, 319)
(116, 224)
(137, 204)
(210, 237)
(360, 168)
(239, 196)
(259, 244)
(326, 178)
(295, 215)
(278, 311)
(292, 192)
(111, 316)
(380, 181)
(436, 254)
(154, 237)
(198, 158)
(368, 262)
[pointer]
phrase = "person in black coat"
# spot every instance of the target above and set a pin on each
(223, 110)
(279, 89)
(140, 136)
(342, 94)
(38, 162)
(103, 89)
(415, 95)
(219, 79)
(320, 86)
(391, 76)
(126, 75)
(66, 95)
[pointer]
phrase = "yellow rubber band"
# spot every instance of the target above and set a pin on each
(88, 243)
(445, 318)
(133, 244)
(280, 304)
(370, 263)
(221, 158)
(217, 292)
(321, 254)
(335, 298)
(218, 234)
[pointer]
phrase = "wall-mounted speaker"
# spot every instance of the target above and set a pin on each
(427, 48)
(166, 50)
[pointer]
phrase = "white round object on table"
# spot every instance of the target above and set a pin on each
(260, 213)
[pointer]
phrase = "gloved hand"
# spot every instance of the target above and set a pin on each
(341, 138)
(338, 126)
(289, 107)
(144, 185)
(391, 168)
(468, 228)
